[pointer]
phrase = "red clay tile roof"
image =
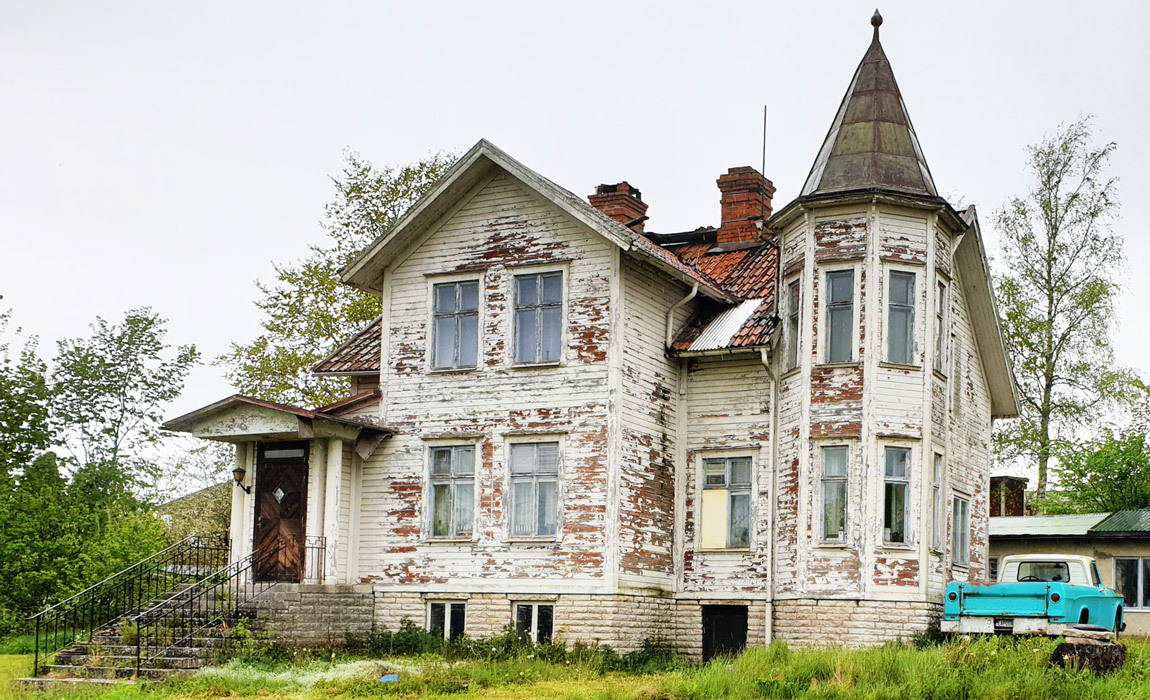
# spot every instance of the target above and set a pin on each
(359, 354)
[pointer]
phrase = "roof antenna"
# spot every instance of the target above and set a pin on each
(763, 171)
(876, 22)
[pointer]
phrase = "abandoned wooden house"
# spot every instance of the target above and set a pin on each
(777, 427)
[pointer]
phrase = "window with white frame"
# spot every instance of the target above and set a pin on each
(538, 317)
(1132, 580)
(938, 513)
(535, 622)
(447, 619)
(452, 490)
(794, 299)
(900, 318)
(960, 537)
(992, 564)
(840, 315)
(940, 327)
(534, 489)
(896, 488)
(456, 325)
(834, 490)
(726, 503)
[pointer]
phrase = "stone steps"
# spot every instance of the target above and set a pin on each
(68, 672)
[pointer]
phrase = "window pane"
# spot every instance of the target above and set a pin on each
(468, 340)
(741, 471)
(458, 617)
(834, 509)
(1146, 583)
(714, 472)
(547, 511)
(547, 458)
(444, 348)
(894, 520)
(739, 523)
(902, 288)
(440, 510)
(526, 290)
(464, 507)
(526, 336)
(522, 458)
(552, 334)
(896, 462)
(835, 461)
(937, 468)
(436, 618)
(444, 298)
(523, 621)
(1044, 571)
(545, 615)
(839, 338)
(553, 288)
(468, 296)
(464, 461)
(441, 461)
(1126, 580)
(841, 285)
(900, 329)
(521, 492)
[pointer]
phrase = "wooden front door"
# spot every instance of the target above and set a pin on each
(281, 506)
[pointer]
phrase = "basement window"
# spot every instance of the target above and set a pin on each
(726, 503)
(534, 622)
(534, 489)
(456, 332)
(840, 315)
(960, 538)
(895, 490)
(900, 318)
(447, 619)
(835, 492)
(538, 317)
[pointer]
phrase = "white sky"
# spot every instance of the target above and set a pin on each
(165, 153)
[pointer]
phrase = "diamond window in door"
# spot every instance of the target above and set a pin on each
(278, 494)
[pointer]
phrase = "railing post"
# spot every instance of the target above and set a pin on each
(36, 657)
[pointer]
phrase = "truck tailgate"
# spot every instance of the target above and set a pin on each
(1013, 599)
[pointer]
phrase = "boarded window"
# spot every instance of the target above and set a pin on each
(535, 622)
(900, 318)
(940, 331)
(456, 331)
(794, 298)
(452, 490)
(1132, 580)
(834, 489)
(895, 489)
(534, 489)
(938, 520)
(840, 315)
(726, 503)
(538, 317)
(449, 618)
(960, 537)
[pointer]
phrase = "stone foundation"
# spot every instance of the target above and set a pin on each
(823, 622)
(315, 615)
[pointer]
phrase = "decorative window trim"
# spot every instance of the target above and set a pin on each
(430, 480)
(701, 486)
(429, 350)
(823, 295)
(560, 489)
(512, 330)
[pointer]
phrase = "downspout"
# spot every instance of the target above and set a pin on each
(765, 356)
(676, 305)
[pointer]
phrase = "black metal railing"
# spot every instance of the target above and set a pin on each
(315, 559)
(212, 604)
(128, 592)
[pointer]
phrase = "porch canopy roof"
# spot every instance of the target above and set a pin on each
(239, 418)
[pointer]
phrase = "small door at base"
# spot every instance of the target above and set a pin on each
(724, 630)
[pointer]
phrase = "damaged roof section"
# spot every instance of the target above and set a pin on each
(358, 355)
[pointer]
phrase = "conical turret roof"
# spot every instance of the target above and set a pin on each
(871, 143)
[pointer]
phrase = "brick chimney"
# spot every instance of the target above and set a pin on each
(745, 198)
(621, 202)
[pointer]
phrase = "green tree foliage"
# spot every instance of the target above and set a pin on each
(306, 310)
(1057, 291)
(25, 422)
(1107, 474)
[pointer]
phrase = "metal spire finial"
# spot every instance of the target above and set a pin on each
(876, 22)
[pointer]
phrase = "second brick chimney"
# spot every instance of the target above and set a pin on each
(621, 202)
(745, 198)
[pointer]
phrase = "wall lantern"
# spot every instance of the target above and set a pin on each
(238, 474)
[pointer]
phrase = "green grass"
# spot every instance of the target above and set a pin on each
(18, 644)
(994, 669)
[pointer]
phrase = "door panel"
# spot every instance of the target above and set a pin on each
(281, 506)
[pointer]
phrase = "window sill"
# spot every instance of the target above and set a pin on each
(836, 365)
(790, 372)
(898, 547)
(535, 365)
(960, 565)
(940, 374)
(833, 545)
(725, 550)
(900, 365)
(451, 370)
(546, 539)
(449, 540)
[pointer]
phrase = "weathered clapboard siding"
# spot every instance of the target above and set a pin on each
(649, 418)
(903, 236)
(500, 229)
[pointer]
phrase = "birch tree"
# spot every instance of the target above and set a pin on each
(1057, 288)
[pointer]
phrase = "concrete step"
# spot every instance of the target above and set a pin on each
(130, 650)
(112, 672)
(130, 660)
(45, 683)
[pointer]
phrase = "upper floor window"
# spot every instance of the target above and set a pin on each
(940, 327)
(835, 492)
(534, 489)
(456, 329)
(794, 297)
(938, 522)
(452, 490)
(900, 318)
(726, 510)
(538, 317)
(840, 315)
(895, 489)
(961, 535)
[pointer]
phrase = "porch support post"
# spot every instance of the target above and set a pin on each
(332, 494)
(236, 526)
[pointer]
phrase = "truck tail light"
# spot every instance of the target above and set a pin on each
(952, 595)
(1054, 597)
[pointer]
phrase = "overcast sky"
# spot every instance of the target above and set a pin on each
(165, 153)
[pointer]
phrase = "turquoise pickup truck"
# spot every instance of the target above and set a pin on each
(1049, 594)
